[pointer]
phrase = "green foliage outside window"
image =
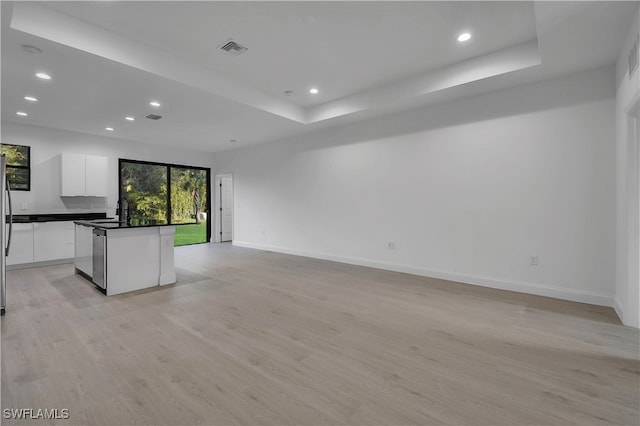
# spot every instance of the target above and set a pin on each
(146, 186)
(188, 195)
(18, 166)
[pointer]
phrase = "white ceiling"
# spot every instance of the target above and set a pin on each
(109, 59)
(340, 48)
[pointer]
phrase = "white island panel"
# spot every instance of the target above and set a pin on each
(167, 262)
(134, 258)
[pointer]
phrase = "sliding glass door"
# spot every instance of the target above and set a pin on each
(160, 193)
(144, 186)
(189, 198)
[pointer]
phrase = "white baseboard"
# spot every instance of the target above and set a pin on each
(510, 285)
(618, 307)
(39, 264)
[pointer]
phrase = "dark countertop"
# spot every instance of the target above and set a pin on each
(112, 224)
(56, 217)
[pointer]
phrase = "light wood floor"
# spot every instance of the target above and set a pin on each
(251, 337)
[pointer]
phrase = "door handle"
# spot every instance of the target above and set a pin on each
(10, 220)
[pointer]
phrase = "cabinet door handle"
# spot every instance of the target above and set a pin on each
(6, 253)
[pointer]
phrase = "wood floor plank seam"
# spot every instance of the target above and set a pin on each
(248, 337)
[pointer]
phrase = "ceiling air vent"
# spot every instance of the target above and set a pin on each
(153, 117)
(233, 47)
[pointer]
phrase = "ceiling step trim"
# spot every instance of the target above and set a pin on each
(46, 23)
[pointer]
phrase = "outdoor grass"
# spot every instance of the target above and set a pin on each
(190, 234)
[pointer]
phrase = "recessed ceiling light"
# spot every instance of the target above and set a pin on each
(233, 140)
(313, 91)
(464, 37)
(154, 104)
(129, 118)
(30, 99)
(43, 76)
(110, 129)
(22, 114)
(288, 92)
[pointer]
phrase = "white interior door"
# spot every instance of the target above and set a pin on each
(226, 208)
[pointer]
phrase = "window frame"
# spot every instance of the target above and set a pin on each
(27, 168)
(168, 174)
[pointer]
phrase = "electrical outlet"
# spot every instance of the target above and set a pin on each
(533, 260)
(391, 245)
(24, 206)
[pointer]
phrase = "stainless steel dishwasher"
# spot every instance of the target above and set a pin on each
(100, 258)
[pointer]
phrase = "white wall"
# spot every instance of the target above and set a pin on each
(467, 190)
(46, 145)
(627, 293)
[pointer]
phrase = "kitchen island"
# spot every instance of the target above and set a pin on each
(119, 257)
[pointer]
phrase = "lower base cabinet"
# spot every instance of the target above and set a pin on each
(21, 246)
(41, 242)
(48, 241)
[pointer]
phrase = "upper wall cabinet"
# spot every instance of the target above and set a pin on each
(96, 175)
(83, 175)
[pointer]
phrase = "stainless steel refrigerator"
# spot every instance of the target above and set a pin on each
(6, 218)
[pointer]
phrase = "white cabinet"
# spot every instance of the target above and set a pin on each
(50, 241)
(73, 170)
(96, 175)
(83, 175)
(21, 249)
(41, 242)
